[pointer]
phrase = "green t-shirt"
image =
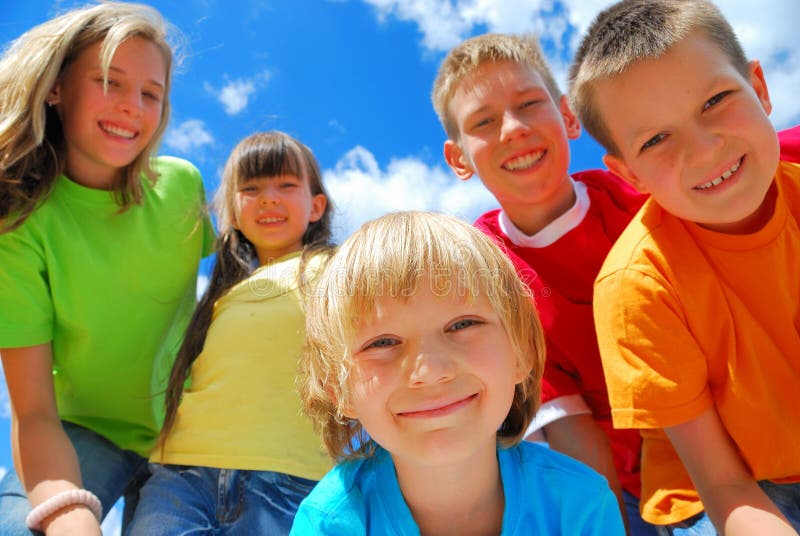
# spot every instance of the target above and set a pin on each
(113, 291)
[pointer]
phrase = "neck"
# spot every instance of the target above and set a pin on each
(532, 218)
(467, 498)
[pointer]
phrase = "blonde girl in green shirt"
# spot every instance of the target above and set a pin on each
(99, 247)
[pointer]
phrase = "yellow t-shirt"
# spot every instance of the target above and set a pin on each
(242, 410)
(688, 318)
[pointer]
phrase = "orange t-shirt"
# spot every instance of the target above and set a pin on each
(688, 318)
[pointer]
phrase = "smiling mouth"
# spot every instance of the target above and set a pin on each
(523, 162)
(438, 411)
(722, 178)
(118, 131)
(270, 220)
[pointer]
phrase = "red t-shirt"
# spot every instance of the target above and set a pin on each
(561, 276)
(790, 144)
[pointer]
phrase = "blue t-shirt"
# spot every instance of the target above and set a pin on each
(545, 493)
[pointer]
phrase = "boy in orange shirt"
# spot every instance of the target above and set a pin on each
(697, 305)
(508, 123)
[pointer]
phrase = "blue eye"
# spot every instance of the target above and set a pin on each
(382, 342)
(464, 323)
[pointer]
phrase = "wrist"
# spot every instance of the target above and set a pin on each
(59, 502)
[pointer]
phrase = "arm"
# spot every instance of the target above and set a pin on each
(43, 454)
(580, 437)
(730, 495)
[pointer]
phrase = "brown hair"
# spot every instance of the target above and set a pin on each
(267, 154)
(632, 30)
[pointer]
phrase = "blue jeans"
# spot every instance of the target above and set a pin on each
(785, 496)
(638, 526)
(106, 470)
(182, 500)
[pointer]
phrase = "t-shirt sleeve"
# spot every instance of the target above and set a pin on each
(604, 514)
(556, 380)
(26, 308)
(311, 521)
(655, 371)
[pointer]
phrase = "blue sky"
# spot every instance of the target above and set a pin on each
(352, 78)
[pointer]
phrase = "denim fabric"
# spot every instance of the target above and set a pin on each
(697, 525)
(106, 470)
(182, 500)
(638, 526)
(785, 496)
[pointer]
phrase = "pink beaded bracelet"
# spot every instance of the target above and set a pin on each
(62, 500)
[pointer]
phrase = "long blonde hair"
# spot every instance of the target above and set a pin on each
(32, 145)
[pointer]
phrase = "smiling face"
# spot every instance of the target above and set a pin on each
(433, 377)
(514, 136)
(273, 213)
(694, 133)
(105, 130)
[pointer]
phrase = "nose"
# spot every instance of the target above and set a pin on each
(513, 126)
(131, 102)
(702, 145)
(432, 363)
(269, 195)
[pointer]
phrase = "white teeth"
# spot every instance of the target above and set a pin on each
(523, 162)
(718, 180)
(270, 220)
(117, 131)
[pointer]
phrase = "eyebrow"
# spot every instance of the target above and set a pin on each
(122, 71)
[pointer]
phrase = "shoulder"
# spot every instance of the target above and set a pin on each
(174, 171)
(489, 223)
(337, 502)
(603, 185)
(549, 467)
(649, 242)
(170, 165)
(570, 497)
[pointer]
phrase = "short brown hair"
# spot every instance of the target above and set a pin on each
(632, 30)
(391, 256)
(462, 61)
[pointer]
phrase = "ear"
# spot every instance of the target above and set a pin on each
(54, 95)
(759, 84)
(318, 204)
(457, 160)
(521, 371)
(571, 123)
(617, 166)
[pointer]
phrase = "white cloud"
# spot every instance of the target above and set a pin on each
(235, 94)
(361, 190)
(189, 135)
(5, 402)
(3, 471)
(767, 33)
(202, 285)
(112, 524)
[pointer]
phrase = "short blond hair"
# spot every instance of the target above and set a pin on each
(462, 62)
(633, 30)
(32, 145)
(391, 256)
